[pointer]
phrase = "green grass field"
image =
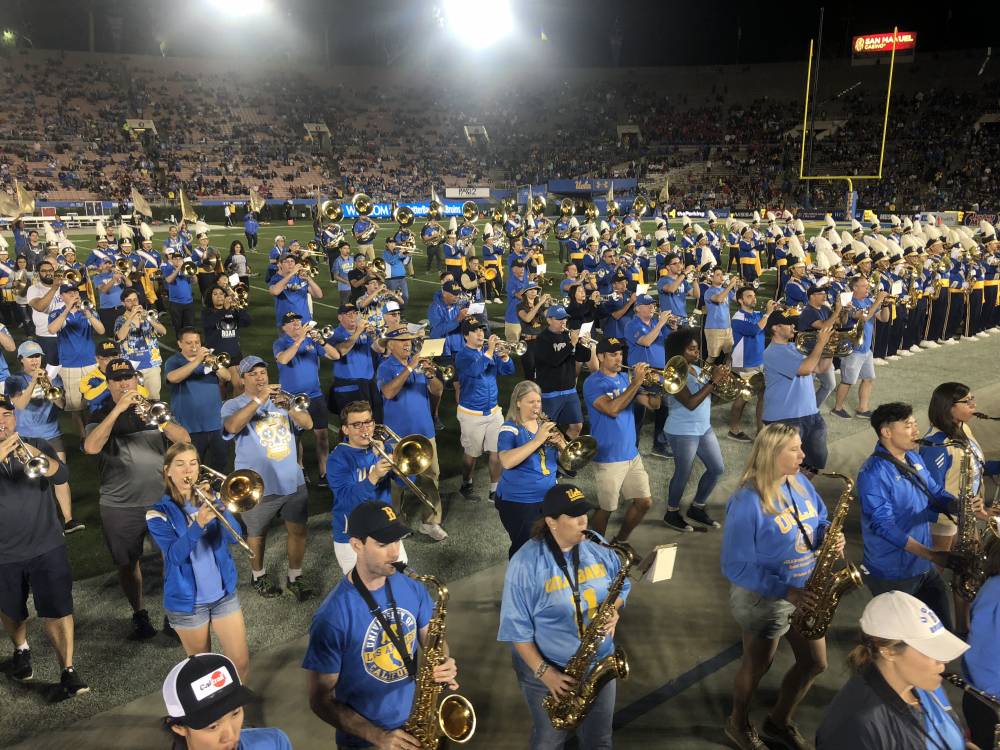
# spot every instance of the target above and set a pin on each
(87, 550)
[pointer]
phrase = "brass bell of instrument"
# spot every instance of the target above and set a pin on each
(470, 211)
(332, 211)
(363, 204)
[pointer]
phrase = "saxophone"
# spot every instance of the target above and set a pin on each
(968, 544)
(990, 700)
(825, 582)
(454, 718)
(567, 712)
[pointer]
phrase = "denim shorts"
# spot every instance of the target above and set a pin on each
(858, 364)
(760, 615)
(204, 613)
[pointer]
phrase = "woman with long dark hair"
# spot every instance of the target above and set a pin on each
(236, 262)
(221, 321)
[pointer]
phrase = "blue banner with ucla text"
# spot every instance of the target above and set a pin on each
(384, 210)
(591, 185)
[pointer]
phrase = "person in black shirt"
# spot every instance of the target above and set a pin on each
(812, 318)
(357, 277)
(221, 321)
(558, 353)
(33, 553)
(582, 306)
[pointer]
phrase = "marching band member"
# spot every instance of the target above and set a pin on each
(294, 289)
(6, 344)
(354, 372)
(789, 396)
(616, 310)
(979, 663)
(583, 306)
(43, 298)
(645, 338)
(859, 364)
(195, 397)
(265, 442)
(774, 524)
(749, 258)
(174, 244)
(674, 289)
(297, 353)
(221, 321)
(273, 257)
(341, 266)
(446, 315)
(33, 555)
(532, 322)
(396, 266)
(558, 355)
(609, 394)
(408, 391)
(516, 285)
(364, 636)
(454, 255)
(798, 286)
(895, 697)
(492, 266)
(689, 433)
(129, 466)
(199, 575)
(477, 367)
(718, 326)
(179, 296)
(552, 589)
(528, 448)
(813, 318)
(900, 499)
(138, 338)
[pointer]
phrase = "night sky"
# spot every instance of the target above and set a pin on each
(580, 32)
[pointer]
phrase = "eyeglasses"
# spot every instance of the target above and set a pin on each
(357, 425)
(970, 399)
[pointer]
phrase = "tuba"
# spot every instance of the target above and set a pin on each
(827, 583)
(454, 718)
(364, 229)
(331, 211)
(639, 205)
(567, 712)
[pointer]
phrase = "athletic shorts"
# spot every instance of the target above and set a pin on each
(204, 613)
(719, 340)
(563, 409)
(292, 508)
(760, 615)
(124, 530)
(319, 413)
(858, 364)
(619, 479)
(49, 580)
(71, 377)
(479, 433)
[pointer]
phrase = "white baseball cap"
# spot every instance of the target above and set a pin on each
(897, 616)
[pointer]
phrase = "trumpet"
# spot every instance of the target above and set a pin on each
(541, 279)
(445, 372)
(48, 391)
(189, 269)
(152, 412)
(308, 267)
(671, 379)
(239, 492)
(576, 453)
(242, 293)
(124, 266)
(153, 316)
(378, 267)
(87, 306)
(290, 401)
(505, 349)
(413, 454)
(216, 362)
(320, 335)
(35, 467)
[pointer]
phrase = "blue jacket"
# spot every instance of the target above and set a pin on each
(176, 538)
(893, 509)
(444, 324)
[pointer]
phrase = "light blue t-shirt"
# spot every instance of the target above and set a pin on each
(615, 436)
(787, 394)
(531, 479)
(717, 313)
(684, 421)
(41, 418)
(266, 445)
(864, 304)
(110, 298)
(263, 738)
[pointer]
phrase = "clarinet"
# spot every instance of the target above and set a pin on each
(990, 700)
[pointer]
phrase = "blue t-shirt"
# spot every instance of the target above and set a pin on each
(195, 401)
(301, 374)
(178, 290)
(767, 553)
(410, 411)
(477, 377)
(347, 473)
(864, 304)
(676, 301)
(529, 480)
(357, 363)
(684, 421)
(717, 313)
(75, 340)
(41, 417)
(342, 267)
(786, 393)
(263, 738)
(537, 603)
(293, 298)
(654, 354)
(110, 298)
(615, 436)
(347, 640)
(514, 285)
(266, 445)
(207, 578)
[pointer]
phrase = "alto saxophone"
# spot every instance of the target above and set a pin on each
(827, 583)
(454, 718)
(968, 544)
(567, 712)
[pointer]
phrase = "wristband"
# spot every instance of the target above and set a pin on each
(257, 399)
(542, 669)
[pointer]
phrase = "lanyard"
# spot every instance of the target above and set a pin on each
(394, 631)
(937, 740)
(810, 543)
(574, 581)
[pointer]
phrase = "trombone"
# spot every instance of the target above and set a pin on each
(239, 492)
(413, 454)
(35, 467)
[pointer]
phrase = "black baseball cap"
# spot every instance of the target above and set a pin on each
(565, 500)
(471, 324)
(289, 316)
(376, 520)
(819, 289)
(611, 344)
(347, 307)
(202, 689)
(107, 349)
(451, 287)
(6, 404)
(119, 369)
(778, 318)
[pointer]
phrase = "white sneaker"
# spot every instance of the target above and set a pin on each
(916, 349)
(879, 362)
(893, 358)
(433, 530)
(982, 335)
(949, 342)
(904, 353)
(497, 301)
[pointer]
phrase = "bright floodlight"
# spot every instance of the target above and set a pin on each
(479, 23)
(239, 8)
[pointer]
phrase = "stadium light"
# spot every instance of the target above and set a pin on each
(479, 23)
(239, 8)
(9, 37)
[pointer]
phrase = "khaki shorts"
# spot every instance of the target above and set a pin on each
(512, 332)
(719, 340)
(619, 479)
(944, 526)
(71, 378)
(151, 381)
(479, 433)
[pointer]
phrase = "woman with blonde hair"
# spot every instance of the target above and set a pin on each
(527, 448)
(199, 575)
(774, 525)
